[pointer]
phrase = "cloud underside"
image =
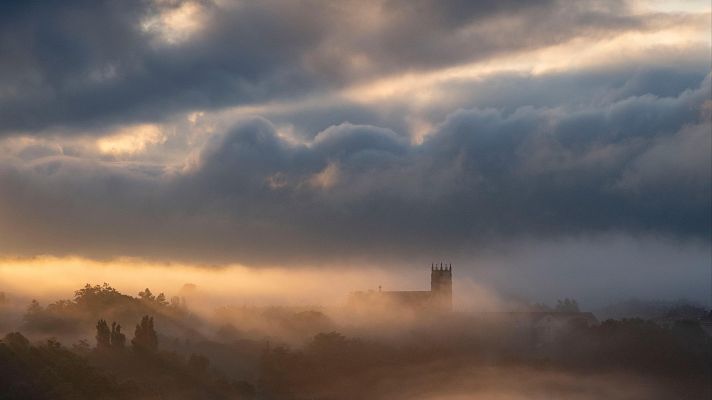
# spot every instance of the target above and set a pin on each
(305, 132)
(73, 65)
(639, 165)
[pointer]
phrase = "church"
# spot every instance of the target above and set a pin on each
(437, 299)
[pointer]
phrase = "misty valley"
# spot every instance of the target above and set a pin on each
(104, 344)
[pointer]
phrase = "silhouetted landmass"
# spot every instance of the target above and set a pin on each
(334, 366)
(636, 308)
(49, 370)
(542, 353)
(76, 317)
(283, 322)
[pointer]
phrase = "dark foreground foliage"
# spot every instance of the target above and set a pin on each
(675, 361)
(454, 356)
(51, 371)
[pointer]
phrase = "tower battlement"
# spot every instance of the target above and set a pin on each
(441, 285)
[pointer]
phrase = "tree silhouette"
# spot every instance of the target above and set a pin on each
(96, 297)
(118, 339)
(161, 299)
(103, 335)
(146, 295)
(16, 340)
(34, 308)
(50, 371)
(567, 305)
(145, 338)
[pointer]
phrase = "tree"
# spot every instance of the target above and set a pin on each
(145, 338)
(50, 371)
(59, 306)
(97, 296)
(118, 339)
(33, 309)
(16, 340)
(103, 335)
(178, 304)
(146, 295)
(161, 300)
(567, 305)
(56, 318)
(33, 318)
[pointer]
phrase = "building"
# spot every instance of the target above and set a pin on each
(437, 299)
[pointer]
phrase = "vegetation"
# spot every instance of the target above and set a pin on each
(50, 371)
(145, 339)
(331, 364)
(102, 302)
(678, 356)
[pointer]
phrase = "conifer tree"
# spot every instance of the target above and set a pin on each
(118, 339)
(146, 295)
(103, 335)
(145, 338)
(161, 300)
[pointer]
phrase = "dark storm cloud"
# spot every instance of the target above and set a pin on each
(434, 33)
(509, 91)
(308, 121)
(504, 91)
(74, 63)
(637, 165)
(90, 63)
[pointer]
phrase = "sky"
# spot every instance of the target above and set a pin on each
(545, 148)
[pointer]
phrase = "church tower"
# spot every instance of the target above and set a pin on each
(441, 286)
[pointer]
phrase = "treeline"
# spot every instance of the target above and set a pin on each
(73, 318)
(678, 357)
(123, 363)
(293, 324)
(651, 309)
(92, 302)
(110, 370)
(50, 370)
(332, 365)
(132, 356)
(145, 337)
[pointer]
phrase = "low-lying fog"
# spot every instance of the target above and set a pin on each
(288, 333)
(595, 271)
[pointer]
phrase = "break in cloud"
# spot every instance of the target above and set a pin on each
(300, 132)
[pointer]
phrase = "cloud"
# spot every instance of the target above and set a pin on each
(75, 67)
(629, 164)
(265, 132)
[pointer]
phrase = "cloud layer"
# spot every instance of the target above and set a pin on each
(306, 132)
(80, 64)
(637, 165)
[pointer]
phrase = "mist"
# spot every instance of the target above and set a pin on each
(382, 200)
(596, 270)
(263, 328)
